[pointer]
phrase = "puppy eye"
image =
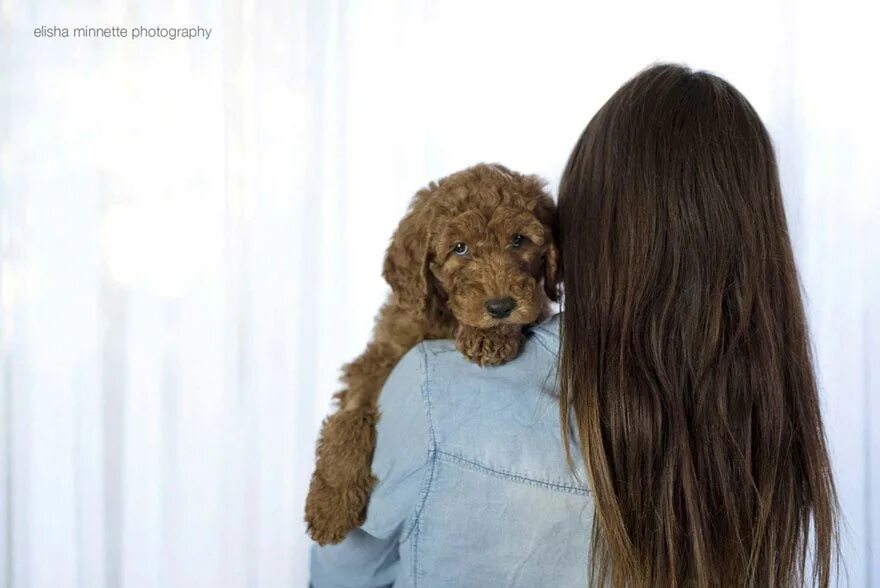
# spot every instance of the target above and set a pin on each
(517, 240)
(460, 248)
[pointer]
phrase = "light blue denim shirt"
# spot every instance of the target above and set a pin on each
(474, 489)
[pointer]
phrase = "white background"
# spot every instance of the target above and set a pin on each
(191, 235)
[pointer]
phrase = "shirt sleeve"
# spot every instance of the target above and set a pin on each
(369, 556)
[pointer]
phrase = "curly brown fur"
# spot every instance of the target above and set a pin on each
(474, 259)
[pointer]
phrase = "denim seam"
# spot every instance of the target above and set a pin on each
(478, 467)
(414, 526)
(442, 351)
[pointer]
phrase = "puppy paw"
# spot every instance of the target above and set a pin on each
(492, 346)
(342, 481)
(333, 511)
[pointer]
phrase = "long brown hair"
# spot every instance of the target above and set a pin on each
(686, 361)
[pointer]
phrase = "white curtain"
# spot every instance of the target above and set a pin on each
(191, 235)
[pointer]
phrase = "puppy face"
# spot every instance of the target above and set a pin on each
(478, 244)
(489, 261)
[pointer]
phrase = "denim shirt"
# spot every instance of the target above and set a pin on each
(474, 488)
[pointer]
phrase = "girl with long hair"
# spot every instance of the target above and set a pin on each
(664, 429)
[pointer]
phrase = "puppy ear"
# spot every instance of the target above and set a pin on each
(552, 271)
(544, 210)
(407, 259)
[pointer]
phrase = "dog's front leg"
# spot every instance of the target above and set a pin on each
(342, 480)
(492, 346)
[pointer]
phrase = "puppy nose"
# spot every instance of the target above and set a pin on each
(500, 307)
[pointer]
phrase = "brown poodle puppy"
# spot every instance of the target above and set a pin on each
(474, 259)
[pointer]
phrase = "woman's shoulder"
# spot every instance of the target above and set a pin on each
(501, 419)
(449, 383)
(452, 383)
